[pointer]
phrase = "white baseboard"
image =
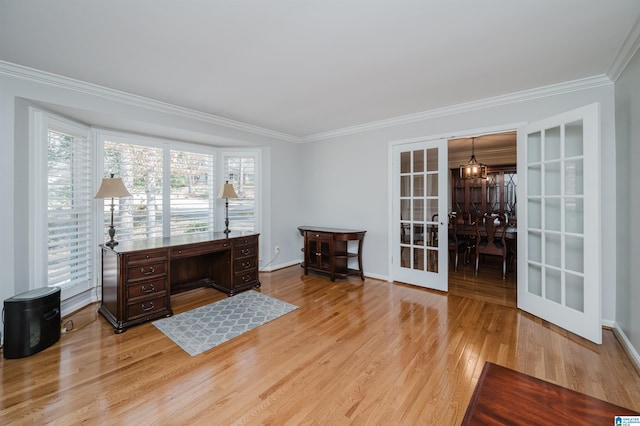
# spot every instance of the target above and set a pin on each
(78, 302)
(626, 344)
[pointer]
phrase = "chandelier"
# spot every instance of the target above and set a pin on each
(473, 169)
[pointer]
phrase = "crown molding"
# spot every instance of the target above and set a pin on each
(624, 55)
(526, 95)
(163, 107)
(67, 83)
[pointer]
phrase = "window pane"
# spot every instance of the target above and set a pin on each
(240, 170)
(69, 213)
(192, 194)
(140, 168)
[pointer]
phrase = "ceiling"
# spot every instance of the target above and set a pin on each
(304, 67)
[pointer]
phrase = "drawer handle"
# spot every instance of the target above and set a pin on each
(179, 251)
(151, 288)
(246, 265)
(246, 278)
(151, 271)
(149, 308)
(245, 251)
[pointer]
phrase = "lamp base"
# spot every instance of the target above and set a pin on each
(111, 243)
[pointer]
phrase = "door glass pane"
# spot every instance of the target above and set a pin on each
(432, 209)
(552, 144)
(405, 186)
(574, 215)
(418, 234)
(535, 177)
(552, 214)
(432, 160)
(535, 280)
(405, 209)
(418, 186)
(418, 259)
(573, 139)
(552, 178)
(405, 257)
(553, 285)
(534, 148)
(418, 209)
(574, 254)
(535, 246)
(573, 174)
(534, 210)
(405, 162)
(432, 260)
(432, 185)
(418, 161)
(405, 233)
(575, 291)
(552, 246)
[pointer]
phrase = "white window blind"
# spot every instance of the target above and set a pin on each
(69, 207)
(192, 192)
(140, 168)
(240, 169)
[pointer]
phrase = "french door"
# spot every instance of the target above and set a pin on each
(559, 227)
(419, 216)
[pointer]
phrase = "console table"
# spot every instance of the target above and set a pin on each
(138, 277)
(326, 250)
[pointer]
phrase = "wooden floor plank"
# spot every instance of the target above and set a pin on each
(354, 352)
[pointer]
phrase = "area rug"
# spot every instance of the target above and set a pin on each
(206, 327)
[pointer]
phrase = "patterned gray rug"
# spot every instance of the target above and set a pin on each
(208, 326)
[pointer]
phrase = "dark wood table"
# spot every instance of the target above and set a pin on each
(326, 250)
(505, 396)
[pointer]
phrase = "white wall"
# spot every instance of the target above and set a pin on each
(628, 196)
(346, 177)
(19, 90)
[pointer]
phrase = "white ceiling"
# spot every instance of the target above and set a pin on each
(304, 67)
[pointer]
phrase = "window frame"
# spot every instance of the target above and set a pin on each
(40, 121)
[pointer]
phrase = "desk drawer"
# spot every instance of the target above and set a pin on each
(245, 251)
(244, 278)
(146, 307)
(197, 250)
(146, 257)
(245, 241)
(146, 271)
(245, 264)
(146, 288)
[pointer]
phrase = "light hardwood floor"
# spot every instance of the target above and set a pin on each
(354, 352)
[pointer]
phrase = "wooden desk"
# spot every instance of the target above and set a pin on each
(138, 277)
(504, 396)
(326, 250)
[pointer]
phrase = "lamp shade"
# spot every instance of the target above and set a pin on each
(227, 191)
(112, 188)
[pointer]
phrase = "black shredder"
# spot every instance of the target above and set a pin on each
(31, 322)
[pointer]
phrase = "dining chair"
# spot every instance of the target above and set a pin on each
(490, 239)
(456, 244)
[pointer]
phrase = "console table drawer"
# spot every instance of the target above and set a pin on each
(246, 264)
(146, 288)
(197, 250)
(147, 307)
(146, 271)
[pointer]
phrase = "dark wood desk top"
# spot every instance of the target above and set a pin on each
(505, 396)
(329, 230)
(178, 240)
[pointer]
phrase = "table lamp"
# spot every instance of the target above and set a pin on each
(112, 188)
(227, 192)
